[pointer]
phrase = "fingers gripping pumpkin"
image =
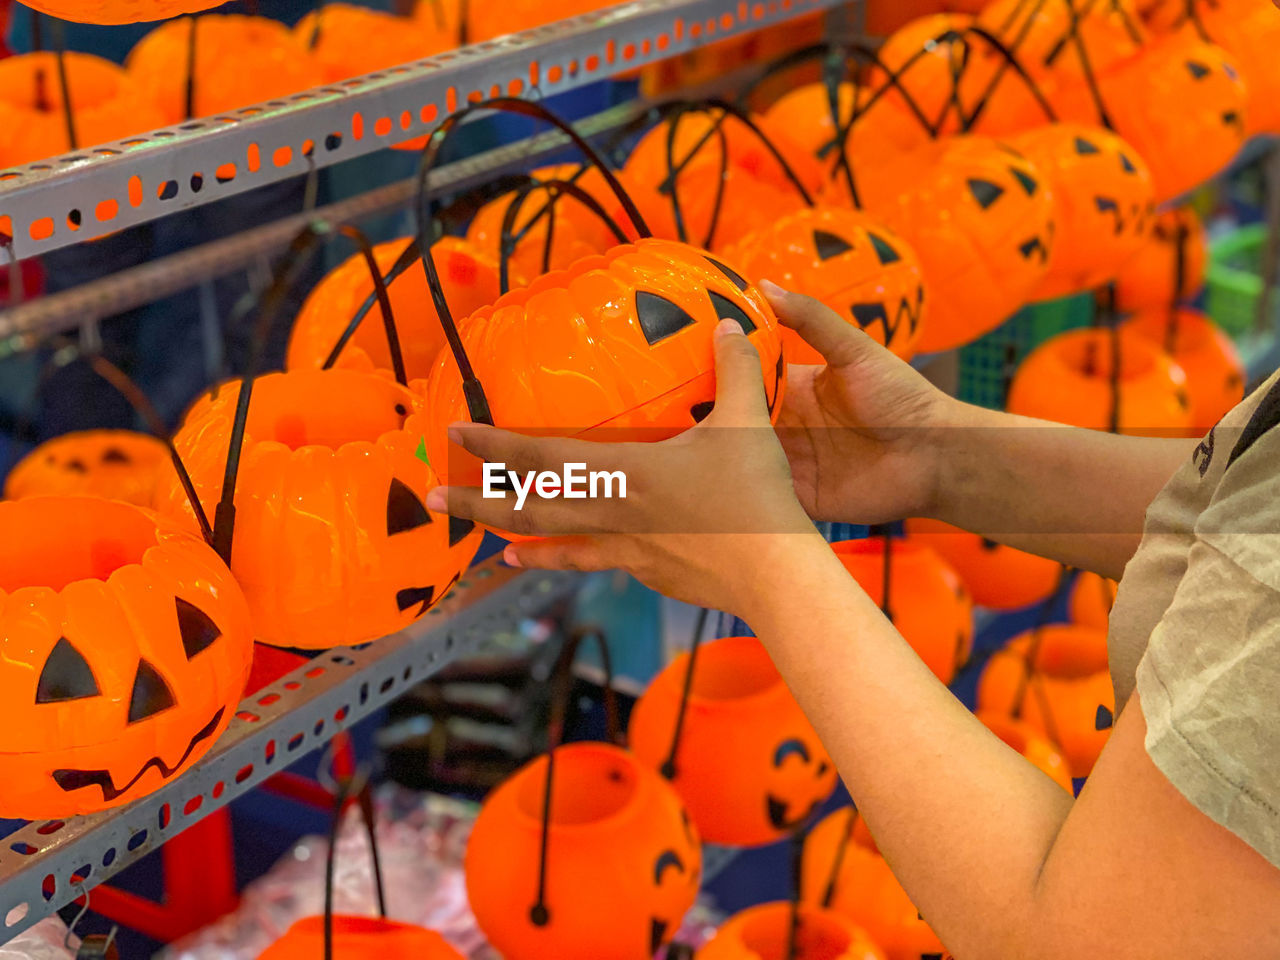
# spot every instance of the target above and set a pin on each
(112, 464)
(126, 647)
(470, 281)
(980, 218)
(765, 932)
(333, 545)
(747, 762)
(1168, 267)
(1104, 198)
(998, 577)
(846, 259)
(1056, 680)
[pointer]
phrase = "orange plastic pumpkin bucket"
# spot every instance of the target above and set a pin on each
(998, 577)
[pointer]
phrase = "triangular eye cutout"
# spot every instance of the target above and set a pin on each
(404, 510)
(884, 251)
(1028, 182)
(828, 245)
(1084, 147)
(66, 676)
(1103, 719)
(1127, 164)
(737, 279)
(151, 695)
(659, 317)
(115, 455)
(458, 530)
(1197, 69)
(726, 309)
(197, 630)
(985, 192)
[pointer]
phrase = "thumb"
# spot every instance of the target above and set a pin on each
(740, 396)
(840, 342)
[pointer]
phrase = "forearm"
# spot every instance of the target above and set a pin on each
(963, 820)
(1077, 496)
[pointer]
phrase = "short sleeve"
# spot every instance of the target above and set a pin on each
(1209, 684)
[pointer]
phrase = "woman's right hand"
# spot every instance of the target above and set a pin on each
(863, 433)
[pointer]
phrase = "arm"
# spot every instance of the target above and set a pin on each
(870, 441)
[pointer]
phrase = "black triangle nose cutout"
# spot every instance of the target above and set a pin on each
(66, 676)
(829, 246)
(726, 309)
(1198, 70)
(195, 627)
(733, 275)
(1103, 719)
(458, 530)
(659, 317)
(115, 455)
(404, 510)
(77, 466)
(1127, 164)
(886, 253)
(151, 695)
(985, 192)
(1084, 147)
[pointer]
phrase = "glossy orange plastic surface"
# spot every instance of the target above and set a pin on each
(1067, 379)
(1215, 373)
(127, 647)
(750, 767)
(470, 281)
(865, 892)
(106, 105)
(1048, 38)
(1249, 30)
(1181, 103)
(981, 220)
(1105, 201)
(623, 859)
(112, 464)
(1091, 600)
(764, 933)
(1150, 278)
(118, 11)
(354, 40)
(333, 544)
(801, 124)
(1032, 744)
(240, 60)
(577, 231)
(849, 261)
(360, 938)
(617, 346)
(928, 602)
(998, 577)
(1068, 697)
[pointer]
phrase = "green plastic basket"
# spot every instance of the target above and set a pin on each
(1234, 279)
(983, 362)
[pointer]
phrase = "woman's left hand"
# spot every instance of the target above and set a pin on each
(703, 510)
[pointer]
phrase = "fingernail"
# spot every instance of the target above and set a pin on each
(727, 328)
(437, 500)
(769, 288)
(509, 556)
(455, 432)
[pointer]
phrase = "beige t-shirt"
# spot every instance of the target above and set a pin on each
(1196, 624)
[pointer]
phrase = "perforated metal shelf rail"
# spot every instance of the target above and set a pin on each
(45, 866)
(87, 194)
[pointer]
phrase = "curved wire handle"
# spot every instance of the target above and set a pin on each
(669, 768)
(359, 788)
(473, 391)
(511, 238)
(562, 680)
(269, 305)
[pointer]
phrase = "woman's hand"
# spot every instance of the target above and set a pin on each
(862, 432)
(708, 516)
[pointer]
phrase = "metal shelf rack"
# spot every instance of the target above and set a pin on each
(45, 866)
(96, 191)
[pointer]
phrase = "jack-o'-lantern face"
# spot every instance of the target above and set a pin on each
(980, 217)
(623, 859)
(854, 265)
(748, 764)
(127, 647)
(112, 464)
(1105, 203)
(333, 461)
(618, 343)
